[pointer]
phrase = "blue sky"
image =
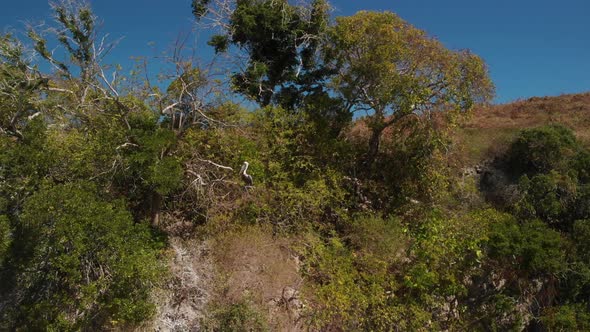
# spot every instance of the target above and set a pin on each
(533, 47)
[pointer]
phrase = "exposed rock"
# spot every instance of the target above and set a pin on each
(182, 302)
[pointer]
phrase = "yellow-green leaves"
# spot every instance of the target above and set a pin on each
(390, 69)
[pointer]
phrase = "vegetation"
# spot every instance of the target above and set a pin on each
(356, 221)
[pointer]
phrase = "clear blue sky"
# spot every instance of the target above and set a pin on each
(533, 47)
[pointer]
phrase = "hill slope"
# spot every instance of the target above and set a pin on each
(490, 128)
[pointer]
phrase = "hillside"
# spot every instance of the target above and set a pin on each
(492, 127)
(130, 205)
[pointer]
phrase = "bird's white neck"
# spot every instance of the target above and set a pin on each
(244, 168)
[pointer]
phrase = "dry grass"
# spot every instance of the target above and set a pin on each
(490, 128)
(260, 268)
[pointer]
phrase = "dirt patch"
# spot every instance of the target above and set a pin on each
(261, 268)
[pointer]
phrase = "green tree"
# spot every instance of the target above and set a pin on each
(281, 42)
(392, 70)
(78, 262)
(20, 86)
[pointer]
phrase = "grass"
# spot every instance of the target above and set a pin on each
(255, 268)
(490, 129)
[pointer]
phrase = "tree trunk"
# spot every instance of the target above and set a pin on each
(156, 206)
(373, 147)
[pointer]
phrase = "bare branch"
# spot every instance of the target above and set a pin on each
(215, 164)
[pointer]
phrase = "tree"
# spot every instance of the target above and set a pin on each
(392, 70)
(280, 41)
(20, 85)
(80, 263)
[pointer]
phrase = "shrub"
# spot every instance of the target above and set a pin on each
(581, 238)
(546, 196)
(80, 262)
(378, 237)
(531, 248)
(542, 149)
(236, 317)
(581, 164)
(581, 206)
(165, 175)
(5, 238)
(574, 317)
(354, 287)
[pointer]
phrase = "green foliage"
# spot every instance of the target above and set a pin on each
(581, 238)
(199, 8)
(219, 43)
(25, 164)
(380, 70)
(5, 238)
(354, 287)
(446, 248)
(546, 196)
(280, 40)
(147, 167)
(581, 164)
(500, 313)
(551, 201)
(237, 317)
(80, 262)
(378, 237)
(567, 318)
(76, 36)
(543, 149)
(20, 87)
(340, 296)
(412, 167)
(165, 175)
(531, 248)
(552, 167)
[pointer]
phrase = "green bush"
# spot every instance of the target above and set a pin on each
(236, 317)
(80, 262)
(378, 237)
(581, 207)
(165, 175)
(531, 248)
(542, 149)
(354, 287)
(5, 238)
(546, 196)
(574, 317)
(581, 238)
(581, 164)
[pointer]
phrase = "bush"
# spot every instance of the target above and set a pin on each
(542, 149)
(5, 238)
(80, 262)
(581, 207)
(574, 317)
(531, 248)
(237, 317)
(354, 289)
(581, 164)
(378, 237)
(546, 196)
(165, 175)
(581, 238)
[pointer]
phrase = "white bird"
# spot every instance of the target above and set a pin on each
(246, 177)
